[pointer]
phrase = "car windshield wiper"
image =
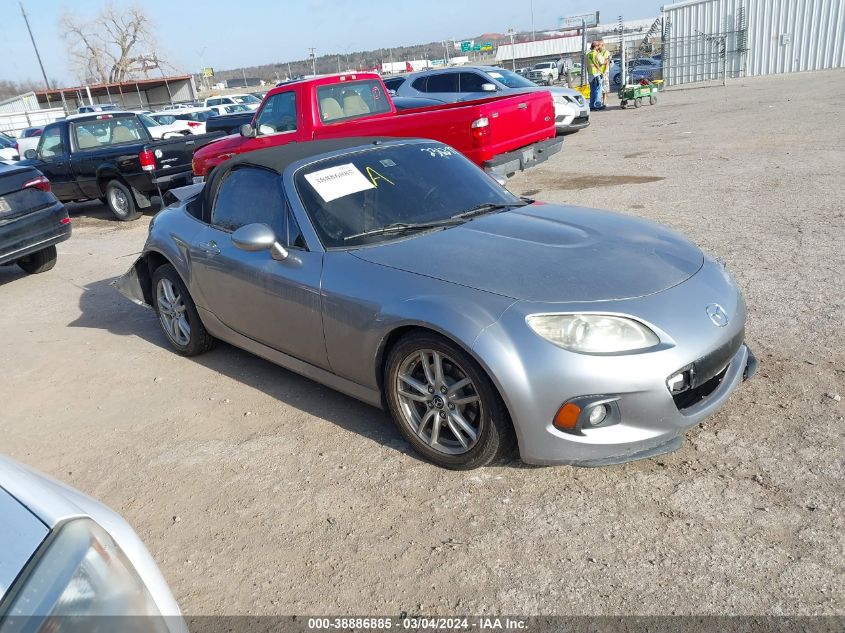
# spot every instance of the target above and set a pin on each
(402, 227)
(487, 207)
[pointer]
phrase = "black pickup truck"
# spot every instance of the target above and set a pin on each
(113, 157)
(228, 123)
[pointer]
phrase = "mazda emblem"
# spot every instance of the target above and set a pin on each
(717, 314)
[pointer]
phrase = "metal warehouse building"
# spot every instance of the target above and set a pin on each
(707, 40)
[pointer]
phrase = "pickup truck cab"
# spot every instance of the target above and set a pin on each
(501, 134)
(113, 157)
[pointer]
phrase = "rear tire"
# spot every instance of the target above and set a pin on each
(638, 102)
(40, 261)
(121, 201)
(423, 393)
(177, 314)
(652, 100)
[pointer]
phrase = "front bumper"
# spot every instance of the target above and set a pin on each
(518, 160)
(536, 377)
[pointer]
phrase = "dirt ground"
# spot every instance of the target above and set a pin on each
(260, 492)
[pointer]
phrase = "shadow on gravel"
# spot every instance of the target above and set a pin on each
(103, 308)
(10, 272)
(94, 212)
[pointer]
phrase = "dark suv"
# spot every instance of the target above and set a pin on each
(32, 220)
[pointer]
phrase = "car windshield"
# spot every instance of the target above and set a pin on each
(246, 99)
(149, 121)
(164, 119)
(5, 141)
(386, 193)
(238, 107)
(511, 79)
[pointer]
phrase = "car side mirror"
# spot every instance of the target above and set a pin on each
(259, 237)
(488, 87)
(29, 154)
(247, 131)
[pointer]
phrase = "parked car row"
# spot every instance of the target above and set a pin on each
(469, 83)
(114, 157)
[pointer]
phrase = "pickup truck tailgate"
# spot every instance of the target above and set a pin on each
(520, 120)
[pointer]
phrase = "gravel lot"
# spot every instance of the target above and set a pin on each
(260, 492)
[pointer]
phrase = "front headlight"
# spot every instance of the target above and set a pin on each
(593, 333)
(81, 576)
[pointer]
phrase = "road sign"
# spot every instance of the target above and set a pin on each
(208, 72)
(487, 46)
(576, 21)
(476, 47)
(466, 45)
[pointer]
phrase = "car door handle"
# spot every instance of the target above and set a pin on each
(210, 247)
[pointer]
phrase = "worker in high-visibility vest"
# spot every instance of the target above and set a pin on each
(595, 67)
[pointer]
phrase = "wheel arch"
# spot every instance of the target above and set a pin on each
(145, 267)
(390, 340)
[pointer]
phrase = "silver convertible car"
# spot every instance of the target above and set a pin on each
(399, 273)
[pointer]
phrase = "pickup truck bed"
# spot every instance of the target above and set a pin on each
(501, 134)
(112, 157)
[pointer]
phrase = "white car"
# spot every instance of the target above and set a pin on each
(177, 106)
(571, 109)
(156, 130)
(231, 108)
(28, 139)
(194, 118)
(8, 148)
(162, 130)
(66, 560)
(250, 101)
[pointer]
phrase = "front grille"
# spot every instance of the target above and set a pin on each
(688, 398)
(707, 372)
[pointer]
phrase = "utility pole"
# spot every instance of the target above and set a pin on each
(313, 60)
(37, 54)
(513, 51)
(533, 34)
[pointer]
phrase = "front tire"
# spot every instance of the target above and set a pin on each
(177, 313)
(121, 201)
(444, 404)
(39, 261)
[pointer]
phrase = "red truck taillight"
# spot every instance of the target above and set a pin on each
(194, 124)
(479, 132)
(147, 159)
(38, 183)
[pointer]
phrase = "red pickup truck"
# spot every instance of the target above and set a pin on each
(501, 134)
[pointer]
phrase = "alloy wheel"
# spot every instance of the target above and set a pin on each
(439, 401)
(172, 312)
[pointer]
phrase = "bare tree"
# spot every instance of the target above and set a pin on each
(116, 45)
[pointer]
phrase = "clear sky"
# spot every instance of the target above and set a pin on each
(231, 33)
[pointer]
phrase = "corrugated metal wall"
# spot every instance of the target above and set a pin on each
(781, 36)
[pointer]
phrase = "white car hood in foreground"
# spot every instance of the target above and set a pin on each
(51, 502)
(20, 534)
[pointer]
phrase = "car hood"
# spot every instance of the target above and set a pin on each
(548, 253)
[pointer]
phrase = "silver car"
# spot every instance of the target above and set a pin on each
(70, 564)
(398, 272)
(467, 83)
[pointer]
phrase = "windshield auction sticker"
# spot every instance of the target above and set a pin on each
(339, 181)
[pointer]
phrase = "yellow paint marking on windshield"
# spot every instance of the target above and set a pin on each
(374, 176)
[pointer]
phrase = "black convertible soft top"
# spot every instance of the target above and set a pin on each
(278, 159)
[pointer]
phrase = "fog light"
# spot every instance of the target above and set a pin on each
(597, 414)
(678, 382)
